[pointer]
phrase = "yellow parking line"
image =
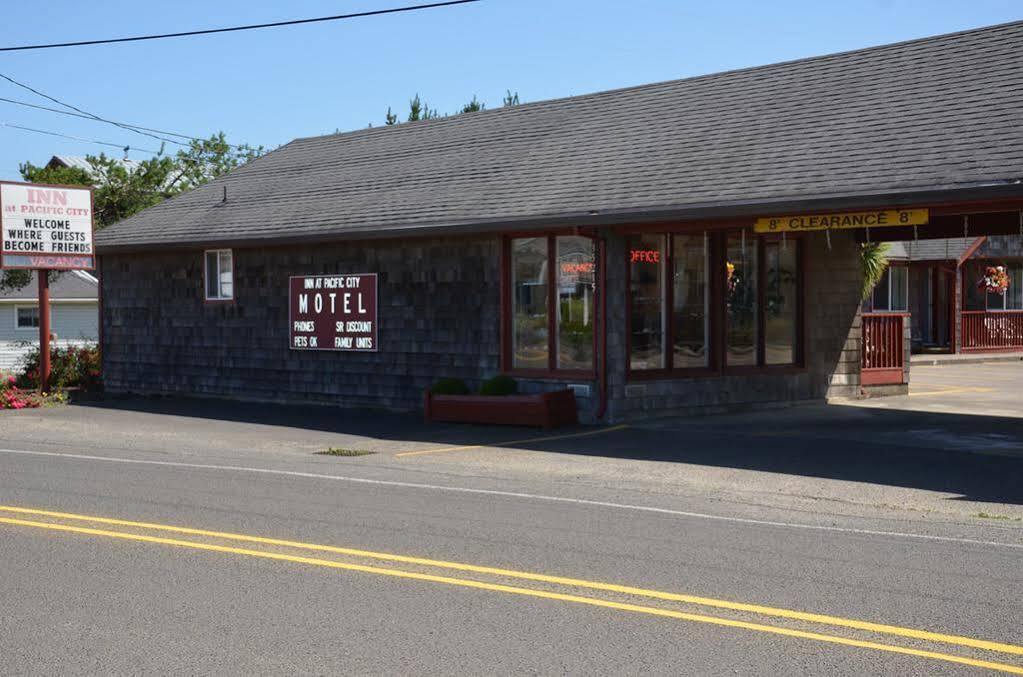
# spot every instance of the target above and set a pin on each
(543, 578)
(948, 391)
(514, 590)
(442, 450)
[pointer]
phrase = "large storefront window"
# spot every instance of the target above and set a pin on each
(545, 337)
(683, 318)
(646, 296)
(689, 314)
(529, 303)
(576, 277)
(781, 303)
(741, 301)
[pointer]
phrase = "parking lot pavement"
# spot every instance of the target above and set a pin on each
(986, 389)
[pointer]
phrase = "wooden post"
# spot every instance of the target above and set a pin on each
(957, 304)
(44, 330)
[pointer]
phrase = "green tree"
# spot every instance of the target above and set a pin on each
(473, 106)
(419, 110)
(120, 191)
(874, 259)
(206, 159)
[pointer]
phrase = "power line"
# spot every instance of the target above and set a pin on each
(123, 147)
(232, 29)
(86, 117)
(87, 113)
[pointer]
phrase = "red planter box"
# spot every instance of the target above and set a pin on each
(547, 410)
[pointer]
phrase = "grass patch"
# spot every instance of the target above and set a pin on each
(342, 451)
(989, 516)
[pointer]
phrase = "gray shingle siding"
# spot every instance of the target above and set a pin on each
(439, 315)
(1001, 246)
(934, 114)
(438, 308)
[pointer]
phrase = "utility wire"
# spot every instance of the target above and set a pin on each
(78, 138)
(86, 117)
(86, 113)
(232, 29)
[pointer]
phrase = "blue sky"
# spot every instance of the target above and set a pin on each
(267, 87)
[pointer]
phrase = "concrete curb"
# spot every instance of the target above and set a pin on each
(977, 359)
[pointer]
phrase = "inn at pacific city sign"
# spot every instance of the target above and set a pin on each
(45, 228)
(842, 221)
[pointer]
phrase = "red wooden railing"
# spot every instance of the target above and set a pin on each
(988, 330)
(883, 354)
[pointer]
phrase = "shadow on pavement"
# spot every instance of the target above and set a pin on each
(977, 458)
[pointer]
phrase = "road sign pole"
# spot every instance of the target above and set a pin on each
(44, 330)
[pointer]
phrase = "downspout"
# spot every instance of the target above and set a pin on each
(958, 300)
(99, 308)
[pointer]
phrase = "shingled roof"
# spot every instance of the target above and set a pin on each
(75, 285)
(928, 117)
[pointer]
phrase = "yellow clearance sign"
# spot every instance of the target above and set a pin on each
(846, 221)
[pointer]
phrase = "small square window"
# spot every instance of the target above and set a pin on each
(27, 317)
(219, 275)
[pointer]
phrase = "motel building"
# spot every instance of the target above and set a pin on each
(669, 248)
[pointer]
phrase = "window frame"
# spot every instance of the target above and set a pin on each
(887, 277)
(1005, 302)
(667, 312)
(205, 277)
(717, 320)
(553, 309)
(39, 317)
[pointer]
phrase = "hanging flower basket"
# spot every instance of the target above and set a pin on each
(995, 280)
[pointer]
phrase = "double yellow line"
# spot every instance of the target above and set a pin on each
(820, 619)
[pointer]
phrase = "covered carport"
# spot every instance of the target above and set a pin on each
(886, 333)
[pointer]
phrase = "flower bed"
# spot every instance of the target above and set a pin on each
(71, 367)
(547, 410)
(13, 397)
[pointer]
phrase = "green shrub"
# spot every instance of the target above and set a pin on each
(450, 386)
(499, 385)
(344, 451)
(69, 368)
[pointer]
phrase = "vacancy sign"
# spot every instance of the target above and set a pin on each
(46, 227)
(333, 312)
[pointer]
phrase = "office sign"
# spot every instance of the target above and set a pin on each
(842, 221)
(333, 312)
(46, 227)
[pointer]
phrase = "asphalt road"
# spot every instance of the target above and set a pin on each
(179, 537)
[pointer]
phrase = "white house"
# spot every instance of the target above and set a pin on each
(74, 315)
